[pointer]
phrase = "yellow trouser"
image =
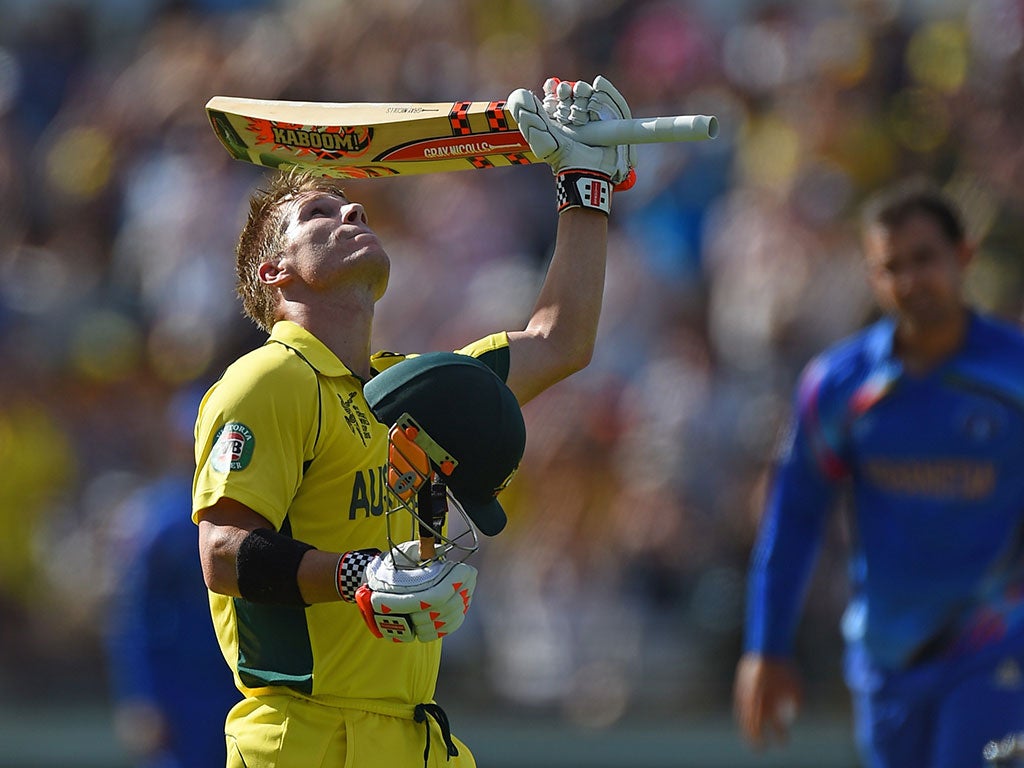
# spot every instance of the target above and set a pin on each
(280, 731)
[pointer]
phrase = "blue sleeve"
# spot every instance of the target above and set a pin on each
(801, 495)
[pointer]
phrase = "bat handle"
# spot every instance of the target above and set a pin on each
(432, 500)
(424, 504)
(647, 130)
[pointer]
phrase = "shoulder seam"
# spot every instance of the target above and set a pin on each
(319, 400)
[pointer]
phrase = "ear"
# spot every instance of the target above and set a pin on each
(274, 273)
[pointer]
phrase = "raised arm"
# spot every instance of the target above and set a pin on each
(559, 338)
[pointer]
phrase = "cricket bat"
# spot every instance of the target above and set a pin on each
(373, 140)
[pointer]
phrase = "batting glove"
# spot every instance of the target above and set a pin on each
(403, 601)
(584, 174)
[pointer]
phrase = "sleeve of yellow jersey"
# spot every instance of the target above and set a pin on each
(255, 429)
(492, 350)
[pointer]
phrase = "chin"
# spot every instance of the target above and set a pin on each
(927, 315)
(373, 256)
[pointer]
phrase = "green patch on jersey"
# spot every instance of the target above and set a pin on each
(233, 447)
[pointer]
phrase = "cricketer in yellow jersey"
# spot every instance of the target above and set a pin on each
(290, 433)
(289, 493)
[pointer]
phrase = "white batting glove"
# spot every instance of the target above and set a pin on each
(402, 601)
(549, 128)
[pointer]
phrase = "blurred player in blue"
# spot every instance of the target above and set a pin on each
(920, 419)
(170, 686)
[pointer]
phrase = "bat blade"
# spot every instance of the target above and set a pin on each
(373, 140)
(369, 140)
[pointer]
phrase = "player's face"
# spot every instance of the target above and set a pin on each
(329, 243)
(915, 270)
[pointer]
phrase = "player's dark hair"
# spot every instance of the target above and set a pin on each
(892, 207)
(260, 239)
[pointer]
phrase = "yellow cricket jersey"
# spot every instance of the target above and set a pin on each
(286, 431)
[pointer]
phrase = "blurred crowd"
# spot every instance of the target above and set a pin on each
(618, 585)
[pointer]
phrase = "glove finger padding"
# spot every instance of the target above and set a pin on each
(579, 112)
(398, 572)
(606, 101)
(568, 102)
(426, 611)
(551, 101)
(608, 104)
(549, 127)
(536, 126)
(437, 611)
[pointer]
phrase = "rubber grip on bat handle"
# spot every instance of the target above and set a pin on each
(646, 130)
(433, 499)
(426, 536)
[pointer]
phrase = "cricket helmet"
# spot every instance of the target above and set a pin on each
(451, 419)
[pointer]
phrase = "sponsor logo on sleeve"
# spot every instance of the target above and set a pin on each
(232, 448)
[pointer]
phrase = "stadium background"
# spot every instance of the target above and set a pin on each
(609, 614)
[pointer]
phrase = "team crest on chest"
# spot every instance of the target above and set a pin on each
(981, 423)
(357, 421)
(233, 446)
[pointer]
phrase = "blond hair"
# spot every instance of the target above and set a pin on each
(262, 239)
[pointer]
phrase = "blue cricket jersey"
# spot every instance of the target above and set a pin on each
(935, 466)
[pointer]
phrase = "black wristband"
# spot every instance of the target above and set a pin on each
(351, 571)
(583, 189)
(268, 567)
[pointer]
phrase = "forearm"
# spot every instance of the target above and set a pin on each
(218, 553)
(318, 577)
(559, 338)
(224, 528)
(264, 566)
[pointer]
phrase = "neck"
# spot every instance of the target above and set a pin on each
(344, 327)
(923, 346)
